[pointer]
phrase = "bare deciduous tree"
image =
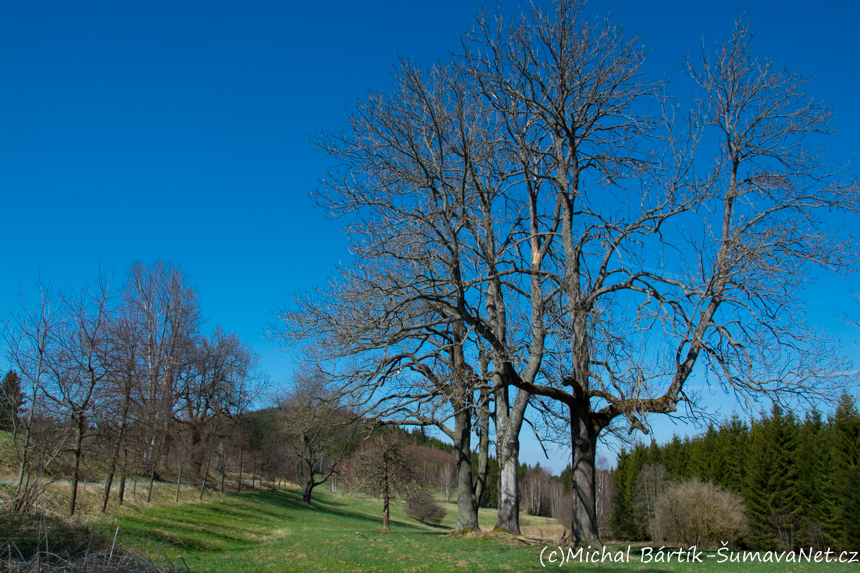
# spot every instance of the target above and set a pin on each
(383, 466)
(218, 380)
(413, 360)
(31, 345)
(532, 217)
(124, 383)
(651, 482)
(81, 368)
(715, 257)
(167, 308)
(318, 432)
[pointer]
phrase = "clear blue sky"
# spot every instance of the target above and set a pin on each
(179, 130)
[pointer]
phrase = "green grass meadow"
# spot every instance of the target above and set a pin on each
(266, 530)
(273, 531)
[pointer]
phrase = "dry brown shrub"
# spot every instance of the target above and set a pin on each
(699, 513)
(423, 507)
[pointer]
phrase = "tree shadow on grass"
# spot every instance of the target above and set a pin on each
(188, 534)
(325, 506)
(215, 526)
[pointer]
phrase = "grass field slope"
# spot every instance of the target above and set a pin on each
(268, 530)
(273, 531)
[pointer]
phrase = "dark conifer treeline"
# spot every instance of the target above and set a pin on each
(799, 478)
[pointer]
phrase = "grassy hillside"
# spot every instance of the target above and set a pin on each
(272, 531)
(263, 531)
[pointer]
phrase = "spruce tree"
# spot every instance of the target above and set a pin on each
(851, 513)
(811, 460)
(842, 494)
(674, 457)
(783, 498)
(11, 400)
(707, 462)
(760, 464)
(624, 520)
(733, 445)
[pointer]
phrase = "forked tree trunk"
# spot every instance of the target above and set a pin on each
(120, 438)
(206, 473)
(28, 432)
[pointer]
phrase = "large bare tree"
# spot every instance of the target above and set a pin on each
(532, 217)
(661, 265)
(169, 315)
(413, 360)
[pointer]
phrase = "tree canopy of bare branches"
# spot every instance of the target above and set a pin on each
(121, 373)
(534, 215)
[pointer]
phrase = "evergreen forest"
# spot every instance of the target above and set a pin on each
(798, 477)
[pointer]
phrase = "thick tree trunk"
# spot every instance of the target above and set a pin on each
(509, 421)
(307, 483)
(507, 517)
(583, 435)
(307, 491)
(467, 505)
(483, 448)
(196, 451)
